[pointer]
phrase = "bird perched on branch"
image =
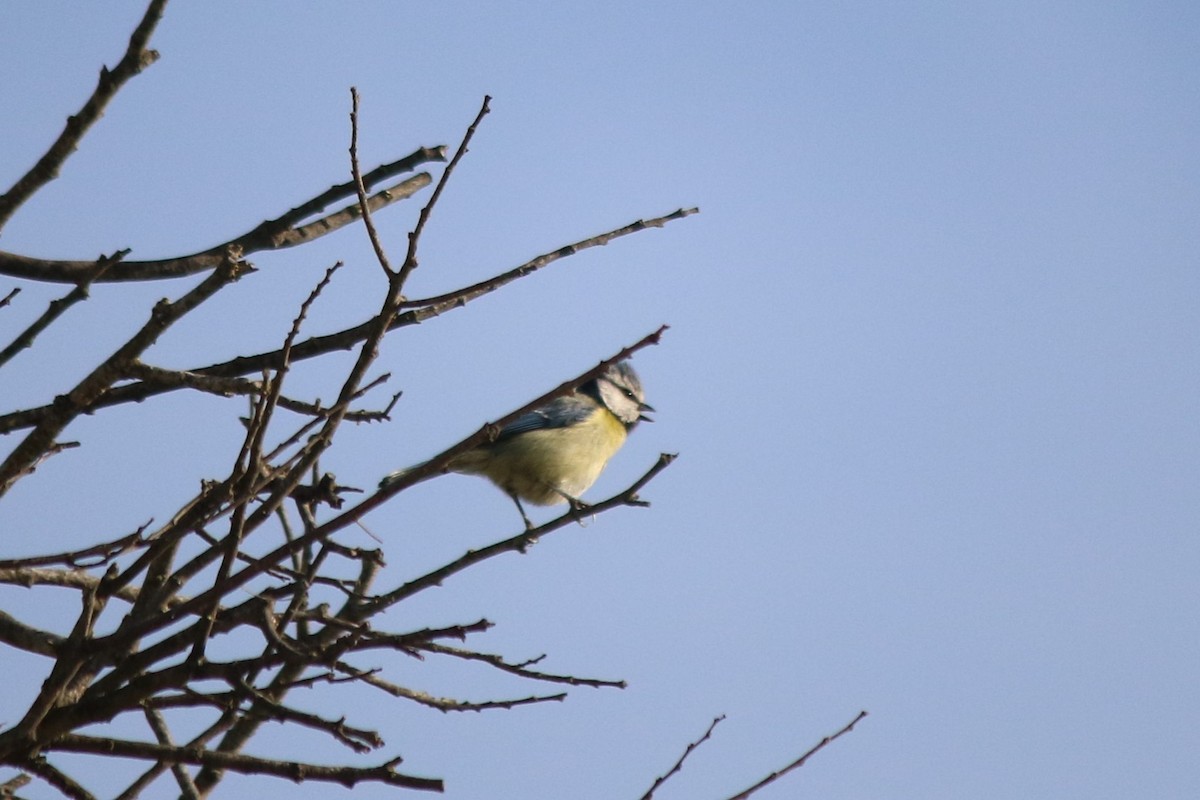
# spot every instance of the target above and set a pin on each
(554, 453)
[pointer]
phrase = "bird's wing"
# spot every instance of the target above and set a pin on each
(560, 413)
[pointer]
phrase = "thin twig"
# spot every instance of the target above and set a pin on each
(360, 740)
(799, 762)
(158, 724)
(26, 454)
(170, 379)
(679, 764)
(26, 337)
(360, 188)
(467, 293)
(68, 666)
(410, 258)
(347, 214)
(515, 544)
(281, 227)
(103, 553)
(370, 678)
(489, 430)
(521, 670)
(136, 59)
(8, 789)
(134, 790)
(75, 578)
(349, 337)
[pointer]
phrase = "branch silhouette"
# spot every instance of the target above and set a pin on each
(208, 619)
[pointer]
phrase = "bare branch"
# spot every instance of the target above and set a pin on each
(26, 454)
(273, 234)
(9, 788)
(335, 220)
(521, 670)
(159, 726)
(59, 688)
(468, 293)
(361, 189)
(282, 227)
(348, 338)
(443, 703)
(679, 764)
(519, 543)
(58, 779)
(292, 770)
(103, 553)
(25, 339)
(410, 258)
(799, 762)
(134, 790)
(170, 379)
(15, 633)
(360, 740)
(136, 59)
(247, 567)
(415, 639)
(69, 579)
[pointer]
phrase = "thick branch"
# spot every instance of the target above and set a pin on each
(249, 765)
(68, 578)
(57, 778)
(273, 234)
(15, 633)
(60, 688)
(420, 311)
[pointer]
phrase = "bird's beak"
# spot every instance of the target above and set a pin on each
(645, 407)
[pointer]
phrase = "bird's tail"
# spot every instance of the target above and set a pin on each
(401, 474)
(397, 476)
(392, 477)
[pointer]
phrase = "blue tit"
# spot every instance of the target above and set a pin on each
(554, 453)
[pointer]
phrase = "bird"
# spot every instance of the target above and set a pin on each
(552, 454)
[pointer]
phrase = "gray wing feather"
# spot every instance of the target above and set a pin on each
(560, 413)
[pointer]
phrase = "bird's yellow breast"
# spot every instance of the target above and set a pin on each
(546, 466)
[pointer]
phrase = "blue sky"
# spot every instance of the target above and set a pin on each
(933, 366)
